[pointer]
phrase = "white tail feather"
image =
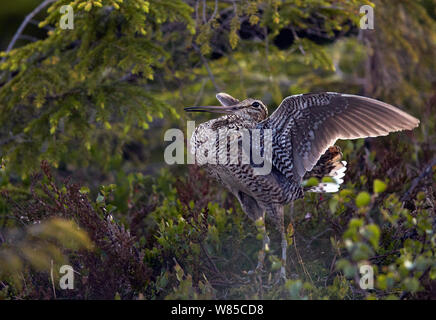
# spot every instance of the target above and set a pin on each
(332, 186)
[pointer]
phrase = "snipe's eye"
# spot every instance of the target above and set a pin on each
(256, 104)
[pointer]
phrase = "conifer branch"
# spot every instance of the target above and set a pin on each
(215, 11)
(25, 22)
(206, 65)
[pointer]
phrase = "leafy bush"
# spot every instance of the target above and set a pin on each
(90, 106)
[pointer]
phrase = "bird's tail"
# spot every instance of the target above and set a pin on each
(329, 171)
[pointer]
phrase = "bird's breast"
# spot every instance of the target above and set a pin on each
(219, 141)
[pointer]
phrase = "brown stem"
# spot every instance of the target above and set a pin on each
(25, 22)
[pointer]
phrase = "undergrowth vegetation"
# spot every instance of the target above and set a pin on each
(186, 239)
(82, 176)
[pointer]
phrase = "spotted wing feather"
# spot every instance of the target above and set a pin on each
(304, 126)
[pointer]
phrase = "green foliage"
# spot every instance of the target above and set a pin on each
(64, 97)
(363, 199)
(71, 89)
(404, 258)
(94, 102)
(379, 186)
(39, 247)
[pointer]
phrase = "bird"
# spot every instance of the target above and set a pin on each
(303, 129)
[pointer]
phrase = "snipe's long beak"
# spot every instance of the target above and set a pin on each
(213, 109)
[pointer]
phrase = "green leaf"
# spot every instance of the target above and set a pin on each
(363, 199)
(372, 233)
(84, 190)
(344, 193)
(88, 6)
(100, 198)
(379, 186)
(362, 251)
(411, 284)
(355, 223)
(311, 182)
(347, 268)
(333, 204)
(420, 196)
(328, 179)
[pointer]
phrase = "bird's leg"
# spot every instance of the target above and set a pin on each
(284, 247)
(262, 252)
(260, 224)
(281, 226)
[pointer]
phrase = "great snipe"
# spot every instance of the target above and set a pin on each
(304, 129)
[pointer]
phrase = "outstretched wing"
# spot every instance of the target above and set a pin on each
(304, 126)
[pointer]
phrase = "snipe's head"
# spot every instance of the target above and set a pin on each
(250, 109)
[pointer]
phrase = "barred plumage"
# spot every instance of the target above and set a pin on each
(303, 128)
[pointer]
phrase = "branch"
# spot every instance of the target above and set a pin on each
(427, 170)
(25, 22)
(196, 14)
(36, 23)
(296, 37)
(18, 138)
(204, 11)
(28, 38)
(215, 11)
(209, 71)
